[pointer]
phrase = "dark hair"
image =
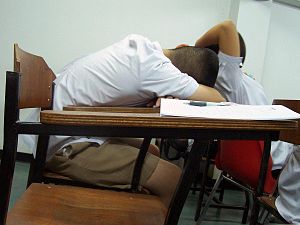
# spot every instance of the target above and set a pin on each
(215, 48)
(242, 48)
(200, 63)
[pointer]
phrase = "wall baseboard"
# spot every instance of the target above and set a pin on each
(21, 156)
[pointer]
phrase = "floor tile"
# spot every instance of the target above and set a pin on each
(213, 215)
(19, 181)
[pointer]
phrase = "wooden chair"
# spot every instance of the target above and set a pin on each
(268, 202)
(30, 86)
(62, 204)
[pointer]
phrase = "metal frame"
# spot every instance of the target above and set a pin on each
(214, 202)
(201, 211)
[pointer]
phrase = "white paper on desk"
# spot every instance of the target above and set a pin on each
(173, 107)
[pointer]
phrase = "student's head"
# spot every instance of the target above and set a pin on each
(200, 63)
(215, 48)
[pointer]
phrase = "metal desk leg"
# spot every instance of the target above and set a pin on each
(11, 114)
(203, 185)
(261, 181)
(188, 175)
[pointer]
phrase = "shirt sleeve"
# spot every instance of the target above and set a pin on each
(163, 78)
(224, 58)
(158, 76)
(230, 76)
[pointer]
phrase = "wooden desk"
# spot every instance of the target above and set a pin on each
(150, 124)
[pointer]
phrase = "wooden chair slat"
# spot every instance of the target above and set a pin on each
(130, 119)
(112, 109)
(38, 95)
(57, 204)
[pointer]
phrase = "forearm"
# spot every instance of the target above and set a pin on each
(211, 37)
(224, 35)
(204, 93)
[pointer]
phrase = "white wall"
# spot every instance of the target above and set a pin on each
(253, 24)
(282, 64)
(272, 35)
(63, 30)
(67, 29)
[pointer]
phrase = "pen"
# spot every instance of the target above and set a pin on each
(201, 103)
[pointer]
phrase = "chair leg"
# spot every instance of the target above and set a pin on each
(222, 190)
(202, 188)
(162, 145)
(210, 197)
(263, 215)
(247, 206)
(194, 185)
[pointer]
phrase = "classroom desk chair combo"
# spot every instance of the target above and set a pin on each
(30, 86)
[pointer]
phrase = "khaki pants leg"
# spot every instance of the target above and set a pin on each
(110, 164)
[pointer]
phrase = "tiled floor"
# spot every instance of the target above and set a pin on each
(214, 216)
(19, 181)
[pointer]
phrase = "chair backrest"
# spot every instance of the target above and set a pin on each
(35, 91)
(292, 136)
(36, 81)
(241, 160)
(27, 87)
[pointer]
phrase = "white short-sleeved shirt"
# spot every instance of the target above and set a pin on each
(288, 201)
(237, 87)
(128, 73)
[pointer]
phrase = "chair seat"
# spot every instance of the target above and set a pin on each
(58, 204)
(269, 203)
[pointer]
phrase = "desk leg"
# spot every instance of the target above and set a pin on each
(203, 183)
(261, 181)
(187, 177)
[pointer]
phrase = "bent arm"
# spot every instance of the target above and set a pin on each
(204, 93)
(224, 35)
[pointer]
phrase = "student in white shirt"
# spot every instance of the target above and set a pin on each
(237, 87)
(131, 72)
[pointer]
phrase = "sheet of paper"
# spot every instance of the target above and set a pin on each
(173, 107)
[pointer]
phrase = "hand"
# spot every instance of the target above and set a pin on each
(182, 45)
(155, 103)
